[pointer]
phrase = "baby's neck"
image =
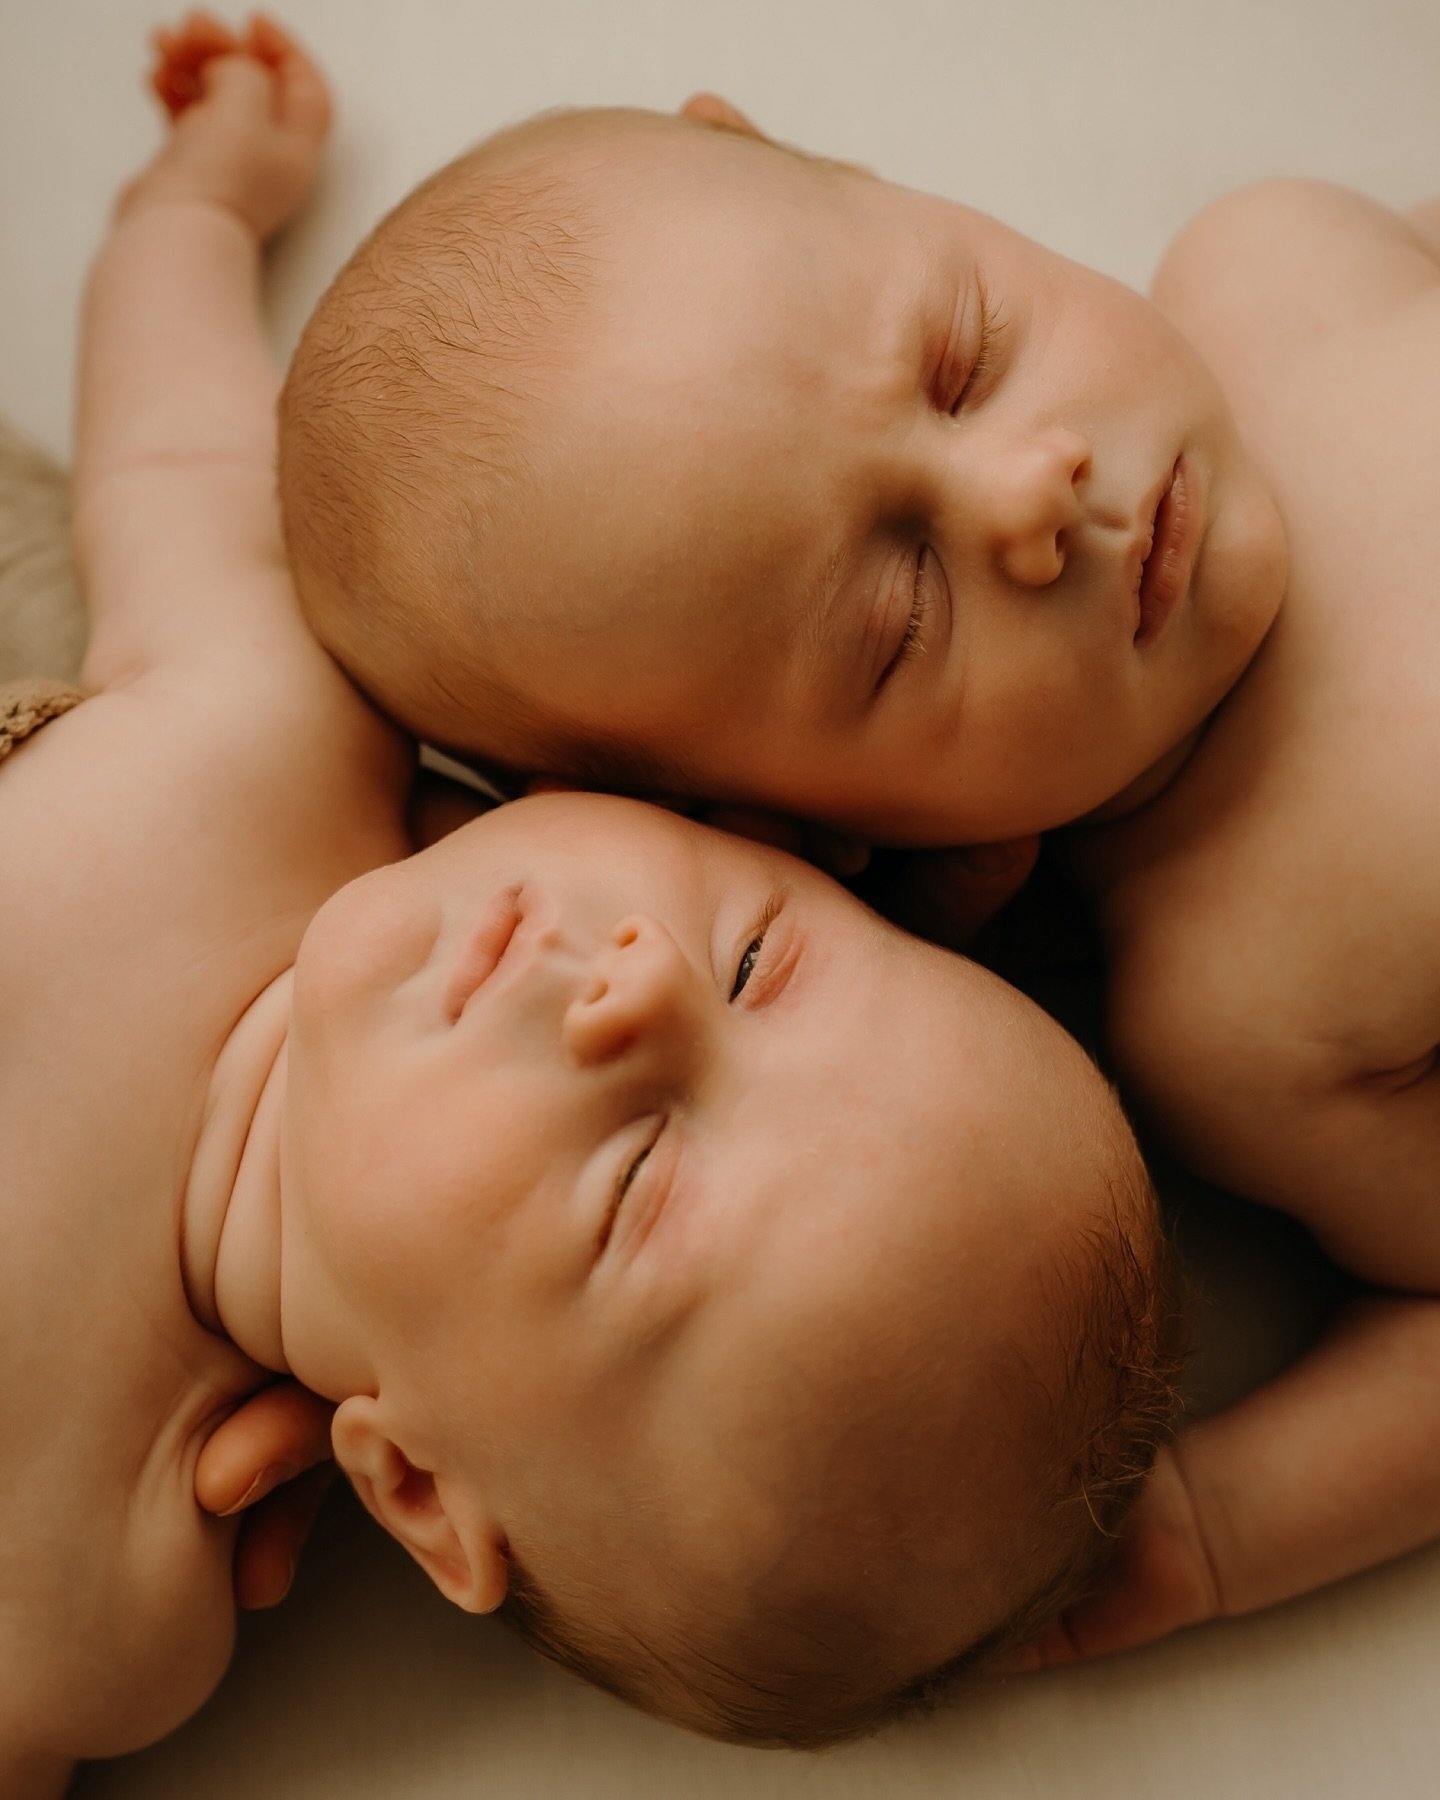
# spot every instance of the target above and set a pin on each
(230, 1216)
(1156, 781)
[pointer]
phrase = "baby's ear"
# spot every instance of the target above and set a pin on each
(710, 109)
(457, 1544)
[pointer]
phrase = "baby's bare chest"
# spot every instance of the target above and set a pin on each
(1276, 918)
(1343, 716)
(1349, 438)
(1275, 985)
(1309, 836)
(1320, 313)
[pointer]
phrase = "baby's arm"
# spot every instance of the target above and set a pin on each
(1323, 1472)
(178, 532)
(176, 524)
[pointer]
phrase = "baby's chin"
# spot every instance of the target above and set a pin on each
(1149, 784)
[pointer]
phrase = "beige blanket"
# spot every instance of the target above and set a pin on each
(42, 617)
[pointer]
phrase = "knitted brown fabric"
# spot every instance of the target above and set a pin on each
(28, 704)
(42, 617)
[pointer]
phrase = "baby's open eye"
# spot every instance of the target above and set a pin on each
(747, 966)
(754, 950)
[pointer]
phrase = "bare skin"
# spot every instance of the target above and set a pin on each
(192, 1065)
(1267, 873)
(1275, 976)
(1301, 835)
(215, 697)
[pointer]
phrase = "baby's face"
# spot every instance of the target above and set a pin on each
(858, 504)
(622, 1137)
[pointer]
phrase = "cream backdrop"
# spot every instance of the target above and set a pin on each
(1098, 128)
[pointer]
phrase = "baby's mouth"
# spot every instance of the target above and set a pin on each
(483, 949)
(1166, 567)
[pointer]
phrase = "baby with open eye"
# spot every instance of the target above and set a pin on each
(765, 1310)
(646, 451)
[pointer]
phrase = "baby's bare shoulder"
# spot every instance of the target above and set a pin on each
(1275, 995)
(180, 801)
(1257, 278)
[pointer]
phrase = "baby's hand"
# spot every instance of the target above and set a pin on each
(269, 1460)
(249, 114)
(1160, 1581)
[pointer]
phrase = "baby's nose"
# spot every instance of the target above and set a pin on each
(1033, 502)
(640, 990)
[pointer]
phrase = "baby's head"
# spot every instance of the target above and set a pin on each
(772, 1306)
(639, 449)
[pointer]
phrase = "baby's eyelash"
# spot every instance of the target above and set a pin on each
(750, 957)
(914, 638)
(992, 329)
(913, 642)
(985, 356)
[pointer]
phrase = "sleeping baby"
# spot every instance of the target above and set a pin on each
(765, 1310)
(647, 451)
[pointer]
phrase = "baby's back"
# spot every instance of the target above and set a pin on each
(1276, 991)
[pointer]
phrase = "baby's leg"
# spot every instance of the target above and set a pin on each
(42, 618)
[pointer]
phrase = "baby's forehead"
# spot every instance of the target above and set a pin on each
(626, 176)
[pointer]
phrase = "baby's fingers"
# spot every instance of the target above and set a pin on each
(273, 1435)
(272, 1537)
(302, 98)
(178, 77)
(1054, 1648)
(237, 92)
(1067, 1640)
